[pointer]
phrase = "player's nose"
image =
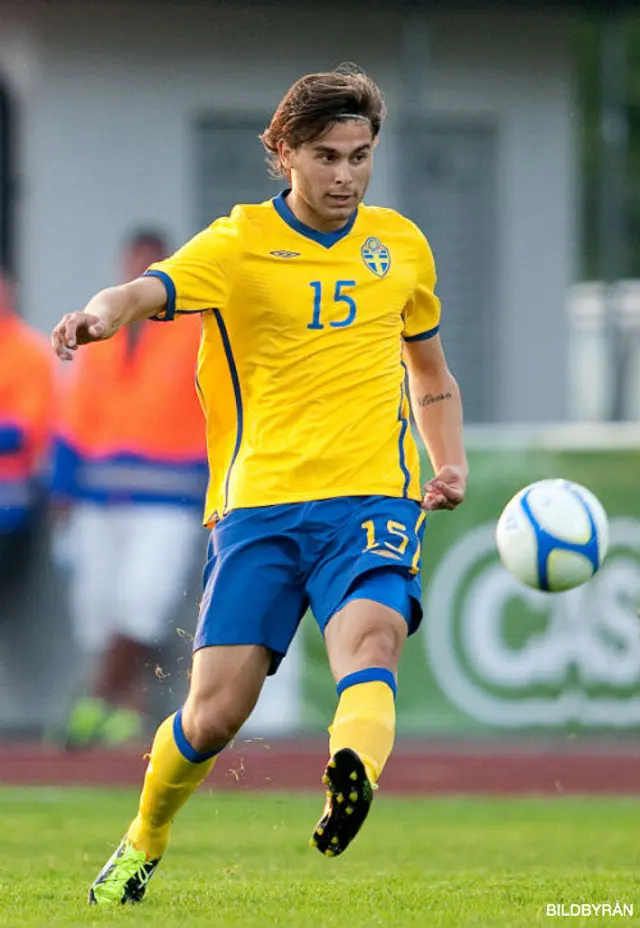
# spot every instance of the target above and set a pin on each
(343, 173)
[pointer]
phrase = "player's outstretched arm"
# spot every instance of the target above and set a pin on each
(437, 409)
(106, 313)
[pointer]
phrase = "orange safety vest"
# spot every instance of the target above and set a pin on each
(27, 383)
(132, 429)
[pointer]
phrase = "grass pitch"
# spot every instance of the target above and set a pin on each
(243, 860)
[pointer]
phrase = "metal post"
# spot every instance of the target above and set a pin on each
(613, 143)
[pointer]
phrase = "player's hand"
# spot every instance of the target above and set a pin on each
(446, 490)
(76, 329)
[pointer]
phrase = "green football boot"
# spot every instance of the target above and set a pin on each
(123, 878)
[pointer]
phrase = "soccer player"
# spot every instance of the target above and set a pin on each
(312, 304)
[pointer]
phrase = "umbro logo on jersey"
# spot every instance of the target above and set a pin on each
(285, 254)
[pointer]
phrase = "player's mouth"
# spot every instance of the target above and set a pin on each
(341, 199)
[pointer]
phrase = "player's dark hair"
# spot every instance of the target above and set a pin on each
(315, 102)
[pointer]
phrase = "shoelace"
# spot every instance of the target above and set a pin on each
(131, 863)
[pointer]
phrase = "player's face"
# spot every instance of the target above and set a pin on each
(329, 176)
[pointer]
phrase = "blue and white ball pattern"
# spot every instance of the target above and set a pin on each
(553, 535)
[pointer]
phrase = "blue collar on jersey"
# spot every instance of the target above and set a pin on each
(322, 238)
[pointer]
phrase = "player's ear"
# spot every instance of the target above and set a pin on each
(285, 153)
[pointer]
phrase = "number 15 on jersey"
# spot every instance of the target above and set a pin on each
(341, 299)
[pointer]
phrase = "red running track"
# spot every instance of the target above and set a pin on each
(471, 770)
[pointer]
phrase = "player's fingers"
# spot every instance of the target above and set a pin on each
(70, 330)
(57, 341)
(433, 501)
(448, 504)
(452, 492)
(438, 498)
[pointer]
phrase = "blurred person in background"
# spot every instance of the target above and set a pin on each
(27, 381)
(129, 480)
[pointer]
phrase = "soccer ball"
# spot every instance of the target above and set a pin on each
(553, 535)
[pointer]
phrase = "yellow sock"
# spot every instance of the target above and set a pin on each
(169, 781)
(365, 721)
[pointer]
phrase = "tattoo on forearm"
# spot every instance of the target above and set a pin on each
(430, 398)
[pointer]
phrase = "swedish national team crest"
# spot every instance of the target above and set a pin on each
(376, 256)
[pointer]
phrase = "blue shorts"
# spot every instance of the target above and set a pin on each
(266, 565)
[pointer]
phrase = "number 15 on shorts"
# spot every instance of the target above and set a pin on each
(394, 540)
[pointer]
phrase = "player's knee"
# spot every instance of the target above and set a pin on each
(211, 724)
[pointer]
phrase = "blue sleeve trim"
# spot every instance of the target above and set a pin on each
(369, 675)
(169, 311)
(11, 439)
(189, 753)
(423, 336)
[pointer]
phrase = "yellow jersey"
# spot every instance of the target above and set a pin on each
(300, 370)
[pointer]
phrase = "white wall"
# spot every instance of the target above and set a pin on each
(108, 92)
(516, 70)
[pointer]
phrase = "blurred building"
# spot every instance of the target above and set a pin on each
(119, 113)
(122, 112)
